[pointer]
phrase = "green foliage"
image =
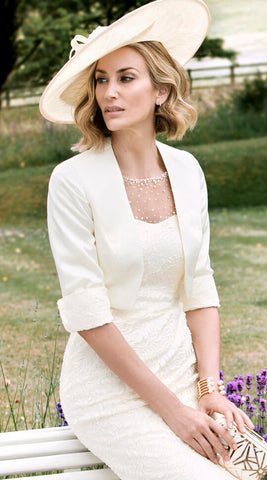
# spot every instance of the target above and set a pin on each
(242, 116)
(26, 141)
(253, 97)
(43, 43)
(226, 123)
(213, 47)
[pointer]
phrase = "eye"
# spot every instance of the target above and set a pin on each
(100, 80)
(126, 78)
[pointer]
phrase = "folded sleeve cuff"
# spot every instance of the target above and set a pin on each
(204, 294)
(85, 309)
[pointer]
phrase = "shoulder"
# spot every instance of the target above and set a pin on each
(78, 171)
(75, 164)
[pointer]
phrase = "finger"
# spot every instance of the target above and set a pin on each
(247, 420)
(207, 448)
(240, 423)
(197, 447)
(218, 446)
(228, 415)
(222, 432)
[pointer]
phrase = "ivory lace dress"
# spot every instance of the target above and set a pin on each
(107, 415)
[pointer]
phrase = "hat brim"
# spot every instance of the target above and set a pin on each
(180, 25)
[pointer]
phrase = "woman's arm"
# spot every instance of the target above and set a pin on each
(204, 325)
(115, 351)
(197, 429)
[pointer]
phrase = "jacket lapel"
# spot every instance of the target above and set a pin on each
(185, 184)
(115, 228)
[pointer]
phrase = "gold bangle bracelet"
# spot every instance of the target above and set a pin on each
(207, 385)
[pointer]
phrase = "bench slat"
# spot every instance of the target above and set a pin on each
(38, 435)
(41, 449)
(105, 474)
(48, 463)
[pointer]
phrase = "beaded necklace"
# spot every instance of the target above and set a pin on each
(150, 198)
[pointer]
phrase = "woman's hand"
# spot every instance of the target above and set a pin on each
(200, 431)
(215, 402)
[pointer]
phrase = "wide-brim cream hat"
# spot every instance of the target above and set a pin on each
(180, 25)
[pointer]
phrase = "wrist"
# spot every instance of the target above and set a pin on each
(172, 404)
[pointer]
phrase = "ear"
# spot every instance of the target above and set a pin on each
(163, 94)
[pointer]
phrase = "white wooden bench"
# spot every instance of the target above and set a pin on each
(48, 450)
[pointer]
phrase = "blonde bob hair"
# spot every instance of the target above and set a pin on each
(173, 117)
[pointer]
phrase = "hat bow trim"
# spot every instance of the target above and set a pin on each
(79, 41)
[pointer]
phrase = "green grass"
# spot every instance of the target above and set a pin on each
(235, 171)
(29, 140)
(23, 193)
(225, 123)
(28, 293)
(239, 253)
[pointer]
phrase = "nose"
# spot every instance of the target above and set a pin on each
(111, 90)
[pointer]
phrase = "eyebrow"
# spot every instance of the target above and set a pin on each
(118, 71)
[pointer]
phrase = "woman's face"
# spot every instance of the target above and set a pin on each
(124, 91)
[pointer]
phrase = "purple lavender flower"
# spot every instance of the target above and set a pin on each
(262, 377)
(257, 406)
(260, 389)
(250, 409)
(221, 375)
(61, 416)
(231, 387)
(262, 404)
(249, 379)
(236, 399)
(240, 383)
(59, 408)
(260, 429)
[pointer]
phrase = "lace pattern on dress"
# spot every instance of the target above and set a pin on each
(151, 198)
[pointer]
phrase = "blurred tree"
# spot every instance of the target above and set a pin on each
(43, 43)
(46, 28)
(213, 47)
(8, 31)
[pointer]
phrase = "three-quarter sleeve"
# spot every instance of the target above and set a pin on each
(84, 303)
(204, 292)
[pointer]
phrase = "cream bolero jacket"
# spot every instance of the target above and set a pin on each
(94, 241)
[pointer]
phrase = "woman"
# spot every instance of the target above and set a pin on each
(129, 231)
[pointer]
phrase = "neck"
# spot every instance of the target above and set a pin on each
(137, 154)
